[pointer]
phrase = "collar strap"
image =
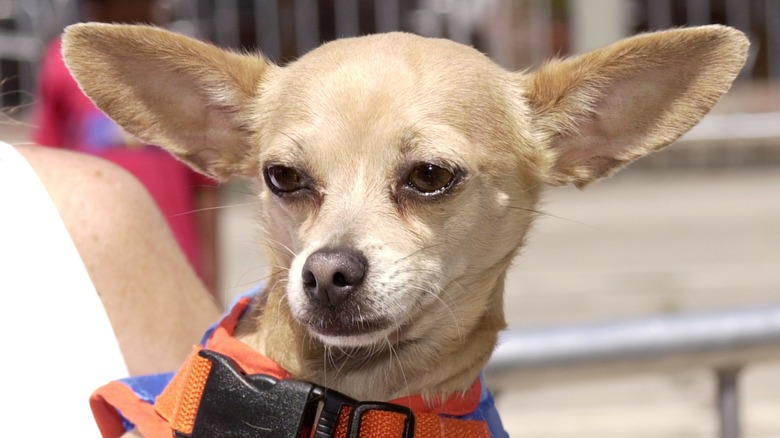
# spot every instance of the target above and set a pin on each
(213, 396)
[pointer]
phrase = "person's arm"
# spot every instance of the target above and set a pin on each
(157, 306)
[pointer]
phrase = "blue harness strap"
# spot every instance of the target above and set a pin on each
(486, 411)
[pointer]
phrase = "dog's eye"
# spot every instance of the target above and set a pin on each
(283, 179)
(429, 178)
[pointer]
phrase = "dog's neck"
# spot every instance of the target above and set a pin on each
(382, 372)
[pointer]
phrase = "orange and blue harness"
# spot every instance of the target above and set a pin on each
(225, 388)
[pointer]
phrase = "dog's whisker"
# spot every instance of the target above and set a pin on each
(394, 354)
(340, 367)
(308, 340)
(439, 293)
(217, 207)
(270, 244)
(269, 269)
(326, 358)
(281, 299)
(435, 291)
(548, 214)
(241, 285)
(417, 252)
(452, 300)
(239, 189)
(403, 308)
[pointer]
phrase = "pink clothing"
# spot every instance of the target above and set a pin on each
(64, 117)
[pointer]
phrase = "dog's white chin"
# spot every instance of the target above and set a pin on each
(381, 337)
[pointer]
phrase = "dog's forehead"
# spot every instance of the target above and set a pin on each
(397, 67)
(385, 88)
(414, 50)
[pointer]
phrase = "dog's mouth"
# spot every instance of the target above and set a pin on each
(339, 329)
(333, 325)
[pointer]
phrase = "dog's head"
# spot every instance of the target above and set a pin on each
(400, 174)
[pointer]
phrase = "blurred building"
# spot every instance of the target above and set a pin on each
(516, 33)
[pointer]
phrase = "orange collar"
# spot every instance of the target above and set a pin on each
(180, 401)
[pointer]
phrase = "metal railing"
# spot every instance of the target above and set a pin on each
(725, 341)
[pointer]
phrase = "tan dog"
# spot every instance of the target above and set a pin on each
(398, 175)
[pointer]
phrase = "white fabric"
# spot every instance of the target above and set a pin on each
(58, 345)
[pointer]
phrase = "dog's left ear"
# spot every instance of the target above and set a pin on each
(602, 110)
(170, 90)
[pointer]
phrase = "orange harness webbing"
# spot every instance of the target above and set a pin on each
(176, 409)
(179, 403)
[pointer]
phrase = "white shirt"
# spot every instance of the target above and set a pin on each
(58, 345)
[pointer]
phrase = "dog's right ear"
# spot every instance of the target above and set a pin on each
(167, 89)
(604, 109)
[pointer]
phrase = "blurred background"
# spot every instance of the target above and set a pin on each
(693, 228)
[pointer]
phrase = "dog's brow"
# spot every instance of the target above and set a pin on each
(284, 148)
(296, 142)
(433, 144)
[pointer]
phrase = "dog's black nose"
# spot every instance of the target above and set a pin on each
(330, 275)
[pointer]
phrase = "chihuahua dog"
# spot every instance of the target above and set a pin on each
(397, 175)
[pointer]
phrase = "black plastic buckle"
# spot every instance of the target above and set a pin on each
(238, 405)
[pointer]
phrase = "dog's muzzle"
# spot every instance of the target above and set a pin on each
(334, 285)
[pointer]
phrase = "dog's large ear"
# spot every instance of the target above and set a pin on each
(169, 90)
(604, 109)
